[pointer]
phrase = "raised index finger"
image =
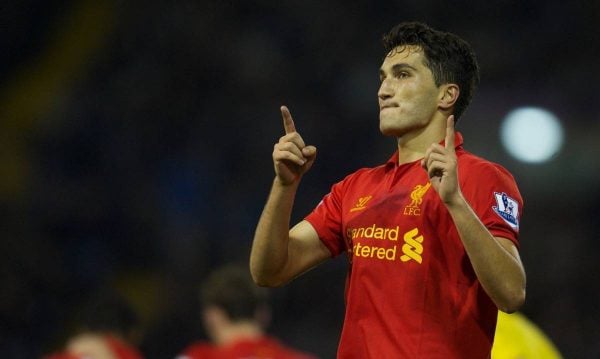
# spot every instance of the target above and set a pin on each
(449, 140)
(288, 122)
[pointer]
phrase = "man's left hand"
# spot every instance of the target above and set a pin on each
(442, 166)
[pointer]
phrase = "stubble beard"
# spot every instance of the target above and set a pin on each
(395, 125)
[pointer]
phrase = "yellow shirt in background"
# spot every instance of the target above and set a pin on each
(519, 338)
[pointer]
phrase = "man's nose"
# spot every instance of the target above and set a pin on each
(385, 90)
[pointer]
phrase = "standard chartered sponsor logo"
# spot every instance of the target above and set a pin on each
(374, 242)
(374, 232)
(413, 248)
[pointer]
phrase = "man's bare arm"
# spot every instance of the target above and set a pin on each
(278, 253)
(495, 260)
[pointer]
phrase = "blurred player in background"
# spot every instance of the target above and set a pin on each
(108, 329)
(235, 314)
(519, 338)
(431, 236)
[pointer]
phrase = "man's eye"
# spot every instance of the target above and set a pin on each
(402, 75)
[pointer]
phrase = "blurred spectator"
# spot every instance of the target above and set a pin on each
(235, 314)
(108, 329)
(97, 346)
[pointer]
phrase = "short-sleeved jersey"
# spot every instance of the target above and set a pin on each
(261, 348)
(411, 289)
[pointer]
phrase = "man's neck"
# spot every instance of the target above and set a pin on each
(413, 145)
(238, 331)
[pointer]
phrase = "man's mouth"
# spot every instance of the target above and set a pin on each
(387, 106)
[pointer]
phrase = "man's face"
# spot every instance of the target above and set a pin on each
(408, 95)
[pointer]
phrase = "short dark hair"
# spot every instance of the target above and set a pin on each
(450, 58)
(110, 312)
(232, 289)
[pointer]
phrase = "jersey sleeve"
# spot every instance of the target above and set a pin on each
(494, 196)
(326, 219)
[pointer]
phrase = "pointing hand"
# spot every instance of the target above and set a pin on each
(291, 157)
(441, 165)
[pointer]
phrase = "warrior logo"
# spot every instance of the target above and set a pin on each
(361, 203)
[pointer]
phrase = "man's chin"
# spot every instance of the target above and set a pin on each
(395, 134)
(387, 130)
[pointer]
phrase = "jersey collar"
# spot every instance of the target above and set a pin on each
(458, 142)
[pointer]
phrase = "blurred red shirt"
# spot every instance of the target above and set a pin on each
(261, 348)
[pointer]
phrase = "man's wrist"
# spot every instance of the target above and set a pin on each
(279, 183)
(456, 201)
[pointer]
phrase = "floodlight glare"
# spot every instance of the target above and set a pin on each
(531, 134)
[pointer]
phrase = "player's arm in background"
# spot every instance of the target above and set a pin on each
(279, 254)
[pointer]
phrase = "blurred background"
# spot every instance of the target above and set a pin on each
(136, 140)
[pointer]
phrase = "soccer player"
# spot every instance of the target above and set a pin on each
(431, 235)
(235, 312)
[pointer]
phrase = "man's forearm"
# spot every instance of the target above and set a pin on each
(270, 246)
(500, 272)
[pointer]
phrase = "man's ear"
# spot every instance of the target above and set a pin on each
(448, 96)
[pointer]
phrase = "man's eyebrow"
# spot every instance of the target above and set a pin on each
(398, 67)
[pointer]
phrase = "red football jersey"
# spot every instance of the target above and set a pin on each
(121, 349)
(411, 291)
(261, 348)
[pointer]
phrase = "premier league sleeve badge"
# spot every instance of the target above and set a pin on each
(507, 208)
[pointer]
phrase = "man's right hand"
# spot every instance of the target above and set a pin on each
(291, 157)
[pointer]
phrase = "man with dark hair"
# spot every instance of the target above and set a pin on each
(108, 329)
(431, 246)
(449, 58)
(235, 313)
